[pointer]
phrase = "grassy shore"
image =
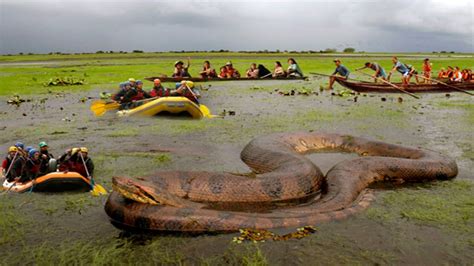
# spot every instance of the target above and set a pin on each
(27, 74)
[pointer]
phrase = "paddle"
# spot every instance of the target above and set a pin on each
(100, 107)
(262, 77)
(391, 84)
(96, 188)
(326, 75)
(445, 84)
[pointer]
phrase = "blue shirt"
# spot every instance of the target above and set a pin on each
(401, 67)
(342, 70)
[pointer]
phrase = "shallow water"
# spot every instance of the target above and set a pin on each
(67, 224)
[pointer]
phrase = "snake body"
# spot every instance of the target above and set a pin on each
(288, 185)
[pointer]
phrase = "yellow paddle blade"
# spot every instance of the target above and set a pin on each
(205, 111)
(99, 108)
(98, 190)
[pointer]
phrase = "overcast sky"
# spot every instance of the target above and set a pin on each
(43, 26)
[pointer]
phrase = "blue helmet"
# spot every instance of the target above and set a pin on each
(19, 145)
(28, 149)
(177, 85)
(32, 152)
(122, 85)
(138, 82)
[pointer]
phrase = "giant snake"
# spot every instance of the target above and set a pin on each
(286, 189)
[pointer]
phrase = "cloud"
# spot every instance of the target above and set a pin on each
(87, 25)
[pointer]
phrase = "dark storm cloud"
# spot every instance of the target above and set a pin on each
(70, 26)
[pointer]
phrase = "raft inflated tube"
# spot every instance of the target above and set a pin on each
(52, 182)
(174, 105)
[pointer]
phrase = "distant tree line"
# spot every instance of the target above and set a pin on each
(325, 51)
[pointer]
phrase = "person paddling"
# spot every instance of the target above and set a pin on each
(12, 157)
(83, 163)
(341, 72)
(379, 70)
(401, 68)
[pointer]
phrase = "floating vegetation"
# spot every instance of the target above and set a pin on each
(261, 235)
(64, 81)
(17, 100)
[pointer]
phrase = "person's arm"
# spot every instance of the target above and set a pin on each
(189, 63)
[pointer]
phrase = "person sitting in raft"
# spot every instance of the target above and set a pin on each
(230, 71)
(32, 166)
(158, 90)
(253, 71)
(13, 156)
(132, 82)
(65, 161)
(294, 69)
(379, 71)
(278, 71)
(83, 163)
(45, 158)
(457, 76)
(181, 70)
(187, 89)
(139, 93)
(341, 70)
(207, 71)
(21, 148)
(427, 68)
(125, 87)
(401, 68)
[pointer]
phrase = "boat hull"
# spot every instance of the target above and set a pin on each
(52, 182)
(385, 88)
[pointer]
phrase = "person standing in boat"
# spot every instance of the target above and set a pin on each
(379, 70)
(207, 71)
(253, 71)
(181, 70)
(412, 72)
(341, 72)
(427, 69)
(294, 69)
(45, 157)
(401, 68)
(278, 71)
(32, 166)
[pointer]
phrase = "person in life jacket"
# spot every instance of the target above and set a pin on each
(32, 166)
(207, 71)
(158, 90)
(66, 160)
(230, 71)
(83, 163)
(427, 68)
(457, 76)
(21, 148)
(13, 155)
(45, 157)
(187, 89)
(139, 93)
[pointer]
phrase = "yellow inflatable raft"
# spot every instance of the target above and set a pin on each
(52, 182)
(173, 105)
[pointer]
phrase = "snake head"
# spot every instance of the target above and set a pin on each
(135, 190)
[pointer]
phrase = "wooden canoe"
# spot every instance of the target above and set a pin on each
(385, 88)
(170, 79)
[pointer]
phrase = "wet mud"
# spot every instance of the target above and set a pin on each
(387, 233)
